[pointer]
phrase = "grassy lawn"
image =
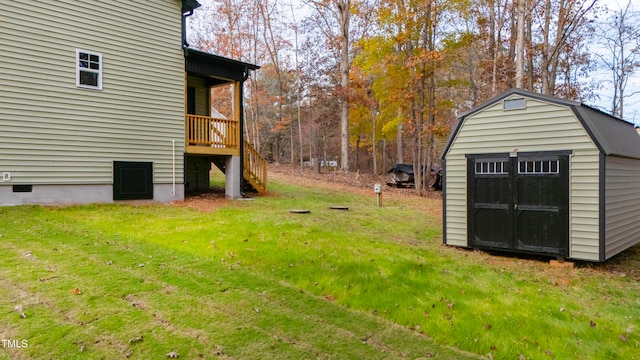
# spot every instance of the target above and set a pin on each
(252, 281)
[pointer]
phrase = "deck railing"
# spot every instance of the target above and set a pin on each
(214, 132)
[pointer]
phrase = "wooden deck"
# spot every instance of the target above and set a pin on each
(214, 136)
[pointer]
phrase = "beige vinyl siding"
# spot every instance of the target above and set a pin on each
(541, 126)
(456, 199)
(52, 132)
(622, 189)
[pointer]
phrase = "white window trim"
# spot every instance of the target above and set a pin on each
(491, 168)
(78, 68)
(538, 167)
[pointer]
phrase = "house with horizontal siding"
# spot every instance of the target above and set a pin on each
(102, 101)
(530, 173)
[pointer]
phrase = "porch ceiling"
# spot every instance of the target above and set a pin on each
(219, 69)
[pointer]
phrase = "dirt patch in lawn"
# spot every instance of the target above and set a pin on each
(356, 183)
(345, 181)
(205, 201)
(625, 264)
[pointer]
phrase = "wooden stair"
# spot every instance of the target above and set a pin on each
(255, 168)
(254, 165)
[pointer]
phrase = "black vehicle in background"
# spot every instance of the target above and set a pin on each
(401, 176)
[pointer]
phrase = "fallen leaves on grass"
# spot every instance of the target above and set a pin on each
(19, 310)
(136, 339)
(137, 303)
(76, 291)
(173, 355)
(219, 350)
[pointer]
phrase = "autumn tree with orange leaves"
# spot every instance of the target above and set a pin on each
(372, 82)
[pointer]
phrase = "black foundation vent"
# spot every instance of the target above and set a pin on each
(22, 188)
(132, 180)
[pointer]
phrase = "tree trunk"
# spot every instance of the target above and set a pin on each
(520, 46)
(313, 157)
(431, 103)
(399, 145)
(344, 15)
(291, 133)
(357, 152)
(373, 144)
(384, 154)
(492, 45)
(529, 45)
(512, 46)
(298, 89)
(554, 57)
(545, 47)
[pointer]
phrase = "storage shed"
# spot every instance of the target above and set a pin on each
(530, 173)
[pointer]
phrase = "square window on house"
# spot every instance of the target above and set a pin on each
(513, 104)
(88, 69)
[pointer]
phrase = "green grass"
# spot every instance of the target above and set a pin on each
(253, 281)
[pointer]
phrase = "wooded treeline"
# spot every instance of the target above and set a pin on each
(369, 83)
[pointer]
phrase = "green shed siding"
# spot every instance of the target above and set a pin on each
(622, 188)
(494, 130)
(52, 132)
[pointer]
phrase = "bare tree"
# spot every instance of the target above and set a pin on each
(572, 17)
(520, 45)
(331, 12)
(298, 83)
(620, 35)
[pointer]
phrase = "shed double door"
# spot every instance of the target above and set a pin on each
(519, 202)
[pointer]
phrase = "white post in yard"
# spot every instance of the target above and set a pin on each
(377, 188)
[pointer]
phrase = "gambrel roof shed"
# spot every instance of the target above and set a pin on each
(531, 173)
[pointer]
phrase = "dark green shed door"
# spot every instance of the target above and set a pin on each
(519, 202)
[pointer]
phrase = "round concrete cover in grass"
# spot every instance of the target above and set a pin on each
(339, 207)
(299, 211)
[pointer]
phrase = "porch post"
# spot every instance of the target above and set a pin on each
(239, 116)
(233, 172)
